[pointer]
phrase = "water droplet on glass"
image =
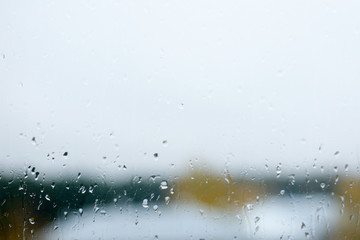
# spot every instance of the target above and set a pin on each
(156, 156)
(322, 185)
(282, 192)
(303, 225)
(79, 175)
(239, 217)
(82, 189)
(164, 143)
(292, 179)
(137, 179)
(37, 176)
(53, 185)
(257, 219)
(201, 211)
(47, 197)
(249, 207)
(167, 200)
(164, 185)
(81, 211)
(336, 153)
(145, 203)
(278, 170)
(32, 220)
(155, 207)
(336, 179)
(65, 154)
(96, 209)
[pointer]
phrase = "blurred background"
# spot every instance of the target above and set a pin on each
(158, 120)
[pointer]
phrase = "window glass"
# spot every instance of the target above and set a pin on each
(179, 120)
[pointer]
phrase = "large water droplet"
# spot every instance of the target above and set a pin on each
(163, 184)
(145, 203)
(37, 176)
(47, 197)
(32, 220)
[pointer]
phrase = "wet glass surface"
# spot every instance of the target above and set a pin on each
(174, 120)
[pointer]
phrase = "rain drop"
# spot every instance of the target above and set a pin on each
(167, 200)
(303, 225)
(145, 203)
(164, 185)
(47, 197)
(81, 211)
(32, 220)
(37, 176)
(239, 217)
(249, 207)
(278, 170)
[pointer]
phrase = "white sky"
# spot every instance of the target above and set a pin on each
(261, 82)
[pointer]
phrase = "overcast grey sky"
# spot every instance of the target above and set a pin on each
(242, 83)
